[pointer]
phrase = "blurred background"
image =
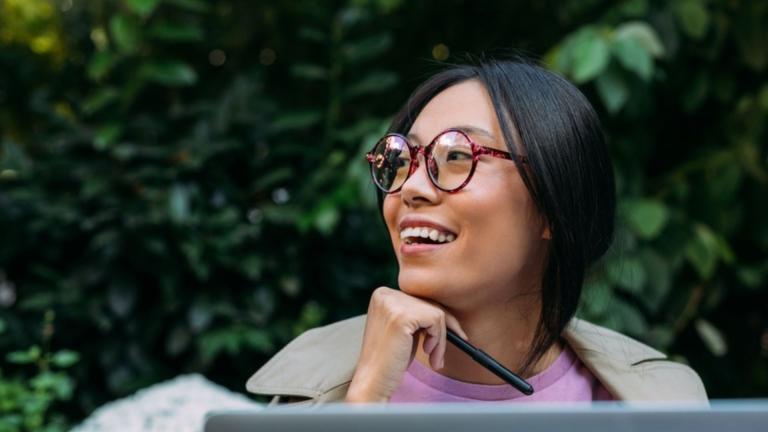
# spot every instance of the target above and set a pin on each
(183, 189)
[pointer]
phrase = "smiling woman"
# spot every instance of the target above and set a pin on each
(497, 190)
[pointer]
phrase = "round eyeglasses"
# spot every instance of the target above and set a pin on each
(451, 160)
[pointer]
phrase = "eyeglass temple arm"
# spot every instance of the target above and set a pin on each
(499, 153)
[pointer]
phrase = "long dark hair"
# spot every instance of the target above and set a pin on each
(569, 176)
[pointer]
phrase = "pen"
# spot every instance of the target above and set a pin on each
(489, 363)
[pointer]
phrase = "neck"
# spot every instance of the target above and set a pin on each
(505, 331)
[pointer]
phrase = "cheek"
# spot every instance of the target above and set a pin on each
(503, 230)
(390, 209)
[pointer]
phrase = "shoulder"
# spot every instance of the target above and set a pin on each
(631, 370)
(316, 362)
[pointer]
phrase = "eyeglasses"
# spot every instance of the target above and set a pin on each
(451, 160)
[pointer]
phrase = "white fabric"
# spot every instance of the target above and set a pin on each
(179, 405)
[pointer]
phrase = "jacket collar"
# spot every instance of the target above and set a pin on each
(323, 359)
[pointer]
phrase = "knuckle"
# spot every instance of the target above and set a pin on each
(439, 316)
(379, 292)
(380, 296)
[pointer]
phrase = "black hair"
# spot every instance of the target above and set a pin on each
(569, 173)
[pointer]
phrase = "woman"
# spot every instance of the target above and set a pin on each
(498, 194)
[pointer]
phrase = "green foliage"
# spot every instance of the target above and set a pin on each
(687, 188)
(183, 182)
(29, 395)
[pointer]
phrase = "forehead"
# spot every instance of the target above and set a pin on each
(466, 104)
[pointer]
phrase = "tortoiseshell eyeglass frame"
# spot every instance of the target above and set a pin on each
(477, 151)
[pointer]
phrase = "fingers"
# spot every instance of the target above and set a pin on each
(437, 358)
(430, 343)
(433, 326)
(416, 316)
(454, 325)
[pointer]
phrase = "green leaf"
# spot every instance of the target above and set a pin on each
(176, 32)
(125, 32)
(628, 273)
(752, 276)
(312, 35)
(630, 319)
(693, 16)
(376, 82)
(597, 298)
(142, 7)
(178, 203)
(661, 337)
(749, 32)
(645, 217)
(326, 218)
(696, 91)
(106, 135)
(612, 89)
(712, 337)
(367, 48)
(558, 58)
(97, 101)
(312, 315)
(309, 71)
(643, 34)
(258, 340)
(65, 358)
(172, 73)
(296, 120)
(590, 55)
(24, 357)
(659, 279)
(191, 5)
(705, 249)
(60, 385)
(763, 98)
(200, 315)
(3, 326)
(214, 342)
(100, 64)
(252, 266)
(633, 8)
(633, 56)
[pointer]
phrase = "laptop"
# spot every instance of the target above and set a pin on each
(726, 415)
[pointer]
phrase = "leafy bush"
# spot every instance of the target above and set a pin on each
(26, 400)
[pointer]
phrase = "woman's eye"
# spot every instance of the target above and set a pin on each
(399, 162)
(458, 156)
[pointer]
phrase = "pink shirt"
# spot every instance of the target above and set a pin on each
(565, 380)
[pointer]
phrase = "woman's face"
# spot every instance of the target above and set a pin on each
(499, 238)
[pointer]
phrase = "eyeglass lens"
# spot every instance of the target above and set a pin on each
(449, 162)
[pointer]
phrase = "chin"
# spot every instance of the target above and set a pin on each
(424, 284)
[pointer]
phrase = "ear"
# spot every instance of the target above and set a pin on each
(545, 233)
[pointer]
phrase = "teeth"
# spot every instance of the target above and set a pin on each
(408, 234)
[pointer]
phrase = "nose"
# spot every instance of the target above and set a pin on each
(418, 189)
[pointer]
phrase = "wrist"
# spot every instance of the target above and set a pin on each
(362, 391)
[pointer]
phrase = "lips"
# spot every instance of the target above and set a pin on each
(421, 235)
(418, 234)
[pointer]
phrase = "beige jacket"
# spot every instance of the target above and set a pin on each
(318, 365)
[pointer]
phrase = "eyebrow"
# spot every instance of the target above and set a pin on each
(469, 130)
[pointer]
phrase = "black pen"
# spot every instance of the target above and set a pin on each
(489, 363)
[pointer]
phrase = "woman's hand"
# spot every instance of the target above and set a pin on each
(395, 321)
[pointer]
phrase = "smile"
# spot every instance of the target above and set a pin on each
(428, 235)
